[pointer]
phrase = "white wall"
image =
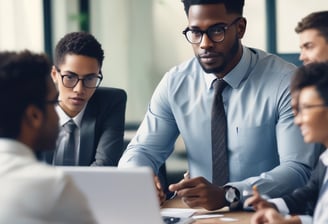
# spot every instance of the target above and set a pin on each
(20, 25)
(289, 13)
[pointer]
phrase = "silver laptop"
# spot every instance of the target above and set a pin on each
(120, 195)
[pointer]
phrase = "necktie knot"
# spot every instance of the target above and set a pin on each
(70, 126)
(219, 85)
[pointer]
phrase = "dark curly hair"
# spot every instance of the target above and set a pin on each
(315, 20)
(232, 6)
(79, 43)
(23, 81)
(313, 74)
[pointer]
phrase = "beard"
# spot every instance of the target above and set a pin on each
(225, 59)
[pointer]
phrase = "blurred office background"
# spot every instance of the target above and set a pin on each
(142, 39)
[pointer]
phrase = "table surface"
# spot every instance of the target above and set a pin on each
(240, 217)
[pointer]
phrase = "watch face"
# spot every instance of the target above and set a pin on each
(230, 195)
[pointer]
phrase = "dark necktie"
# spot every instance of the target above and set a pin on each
(219, 136)
(66, 149)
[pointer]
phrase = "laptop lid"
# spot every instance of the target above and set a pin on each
(118, 195)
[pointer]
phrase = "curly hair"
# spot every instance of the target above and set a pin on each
(235, 6)
(314, 74)
(79, 43)
(23, 81)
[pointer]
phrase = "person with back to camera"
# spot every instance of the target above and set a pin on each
(32, 192)
(250, 124)
(97, 115)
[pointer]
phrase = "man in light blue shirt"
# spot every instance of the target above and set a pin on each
(264, 146)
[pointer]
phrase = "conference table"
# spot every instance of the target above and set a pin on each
(221, 216)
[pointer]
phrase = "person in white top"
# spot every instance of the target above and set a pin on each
(32, 192)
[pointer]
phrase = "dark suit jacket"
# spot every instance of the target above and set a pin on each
(303, 200)
(102, 129)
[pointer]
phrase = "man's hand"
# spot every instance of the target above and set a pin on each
(160, 193)
(257, 202)
(198, 192)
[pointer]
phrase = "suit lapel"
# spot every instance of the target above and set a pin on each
(86, 154)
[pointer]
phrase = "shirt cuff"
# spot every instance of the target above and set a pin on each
(306, 219)
(280, 204)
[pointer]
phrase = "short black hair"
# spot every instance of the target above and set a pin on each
(232, 6)
(79, 43)
(23, 81)
(315, 20)
(313, 74)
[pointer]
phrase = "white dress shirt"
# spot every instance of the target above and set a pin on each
(35, 193)
(320, 212)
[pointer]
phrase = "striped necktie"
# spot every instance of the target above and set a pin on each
(219, 136)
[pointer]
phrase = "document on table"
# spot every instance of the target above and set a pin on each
(194, 214)
(178, 212)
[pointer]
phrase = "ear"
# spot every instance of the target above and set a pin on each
(241, 27)
(33, 117)
(54, 75)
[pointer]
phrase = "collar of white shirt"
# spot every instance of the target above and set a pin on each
(64, 118)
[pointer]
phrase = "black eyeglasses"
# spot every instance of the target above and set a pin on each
(89, 81)
(300, 109)
(215, 33)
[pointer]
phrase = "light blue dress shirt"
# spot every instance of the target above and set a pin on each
(264, 146)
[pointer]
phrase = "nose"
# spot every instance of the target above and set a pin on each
(298, 119)
(302, 56)
(79, 86)
(206, 42)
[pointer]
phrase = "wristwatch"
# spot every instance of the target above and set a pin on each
(232, 196)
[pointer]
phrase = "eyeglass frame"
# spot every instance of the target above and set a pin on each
(299, 109)
(224, 29)
(99, 76)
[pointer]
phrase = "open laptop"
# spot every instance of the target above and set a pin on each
(121, 195)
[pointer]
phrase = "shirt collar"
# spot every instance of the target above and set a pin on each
(64, 118)
(237, 74)
(12, 146)
(324, 157)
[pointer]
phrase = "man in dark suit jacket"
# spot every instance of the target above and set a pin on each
(91, 118)
(102, 129)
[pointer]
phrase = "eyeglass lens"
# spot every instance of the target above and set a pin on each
(91, 81)
(215, 33)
